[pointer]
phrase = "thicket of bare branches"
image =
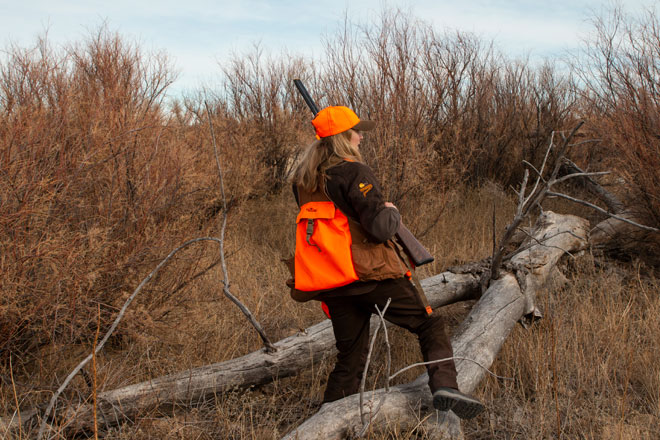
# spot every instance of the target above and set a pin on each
(450, 107)
(99, 179)
(87, 178)
(617, 73)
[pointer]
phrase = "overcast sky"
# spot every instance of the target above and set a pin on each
(198, 34)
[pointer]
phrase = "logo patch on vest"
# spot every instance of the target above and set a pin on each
(364, 189)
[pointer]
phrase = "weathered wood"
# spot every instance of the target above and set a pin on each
(293, 355)
(479, 338)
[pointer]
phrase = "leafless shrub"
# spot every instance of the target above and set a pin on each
(619, 70)
(87, 182)
(265, 115)
(450, 108)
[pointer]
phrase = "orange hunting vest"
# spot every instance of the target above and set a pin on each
(333, 251)
(323, 257)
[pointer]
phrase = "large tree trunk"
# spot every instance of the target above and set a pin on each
(479, 338)
(293, 354)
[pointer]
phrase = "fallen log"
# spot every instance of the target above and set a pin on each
(292, 355)
(478, 338)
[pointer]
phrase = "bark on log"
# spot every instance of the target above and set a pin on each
(479, 337)
(293, 354)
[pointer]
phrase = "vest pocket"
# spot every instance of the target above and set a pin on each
(323, 254)
(376, 261)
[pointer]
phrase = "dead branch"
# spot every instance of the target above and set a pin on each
(527, 202)
(602, 211)
(293, 354)
(543, 188)
(122, 312)
(614, 205)
(225, 281)
(363, 380)
(479, 338)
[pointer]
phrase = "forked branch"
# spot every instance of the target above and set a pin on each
(526, 202)
(543, 188)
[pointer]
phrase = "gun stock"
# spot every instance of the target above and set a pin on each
(411, 246)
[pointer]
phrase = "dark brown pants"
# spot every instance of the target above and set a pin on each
(350, 321)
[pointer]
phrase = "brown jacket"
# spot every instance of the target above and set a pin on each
(376, 256)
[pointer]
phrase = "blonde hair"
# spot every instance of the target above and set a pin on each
(321, 155)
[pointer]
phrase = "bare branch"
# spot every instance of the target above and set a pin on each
(601, 210)
(587, 141)
(224, 199)
(538, 173)
(455, 358)
(583, 174)
(373, 414)
(612, 202)
(540, 243)
(521, 194)
(534, 198)
(494, 229)
(269, 345)
(366, 365)
(562, 151)
(387, 342)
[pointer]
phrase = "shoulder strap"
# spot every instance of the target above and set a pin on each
(306, 197)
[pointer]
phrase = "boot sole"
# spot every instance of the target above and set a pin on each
(463, 407)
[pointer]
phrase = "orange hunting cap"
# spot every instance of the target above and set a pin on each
(338, 119)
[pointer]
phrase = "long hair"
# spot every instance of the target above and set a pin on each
(321, 155)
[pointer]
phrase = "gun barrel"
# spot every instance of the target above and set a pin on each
(308, 99)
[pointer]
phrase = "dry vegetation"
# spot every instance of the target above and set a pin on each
(100, 178)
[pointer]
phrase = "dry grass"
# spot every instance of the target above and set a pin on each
(98, 182)
(587, 370)
(602, 329)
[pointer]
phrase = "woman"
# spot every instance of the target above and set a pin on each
(343, 212)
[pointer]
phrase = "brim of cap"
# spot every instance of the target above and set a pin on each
(364, 125)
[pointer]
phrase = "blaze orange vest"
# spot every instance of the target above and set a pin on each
(323, 258)
(332, 250)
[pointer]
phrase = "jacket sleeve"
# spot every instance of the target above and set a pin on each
(365, 197)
